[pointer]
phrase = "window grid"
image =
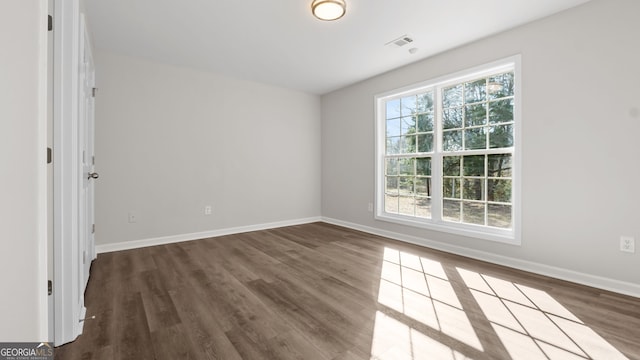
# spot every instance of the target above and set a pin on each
(408, 186)
(474, 111)
(471, 118)
(409, 130)
(479, 198)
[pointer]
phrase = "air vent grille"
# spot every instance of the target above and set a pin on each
(401, 41)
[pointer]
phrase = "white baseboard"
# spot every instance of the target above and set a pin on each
(135, 244)
(599, 282)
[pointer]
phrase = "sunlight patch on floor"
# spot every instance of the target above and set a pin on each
(394, 340)
(429, 298)
(532, 324)
(419, 300)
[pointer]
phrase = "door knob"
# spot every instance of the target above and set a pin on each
(93, 176)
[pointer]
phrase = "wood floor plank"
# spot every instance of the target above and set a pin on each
(170, 344)
(133, 339)
(320, 291)
(248, 347)
(172, 264)
(301, 319)
(292, 345)
(328, 314)
(159, 308)
(202, 327)
(240, 307)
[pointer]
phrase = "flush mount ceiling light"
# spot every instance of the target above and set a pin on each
(328, 10)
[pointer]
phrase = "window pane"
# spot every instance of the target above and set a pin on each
(499, 216)
(408, 124)
(393, 109)
(500, 165)
(408, 144)
(473, 189)
(406, 166)
(391, 204)
(425, 102)
(406, 185)
(501, 111)
(408, 105)
(406, 205)
(473, 165)
(452, 96)
(393, 145)
(501, 136)
(423, 166)
(391, 167)
(423, 186)
(425, 143)
(499, 190)
(452, 140)
(473, 213)
(425, 122)
(451, 166)
(452, 118)
(451, 188)
(393, 127)
(451, 210)
(391, 186)
(501, 85)
(475, 115)
(423, 207)
(475, 91)
(475, 138)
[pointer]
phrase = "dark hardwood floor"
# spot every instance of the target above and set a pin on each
(319, 291)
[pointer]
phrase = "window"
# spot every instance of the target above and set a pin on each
(447, 153)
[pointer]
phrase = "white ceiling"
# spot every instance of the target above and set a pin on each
(279, 42)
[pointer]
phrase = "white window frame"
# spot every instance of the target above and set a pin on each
(509, 236)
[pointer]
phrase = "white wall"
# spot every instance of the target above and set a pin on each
(171, 140)
(581, 95)
(23, 299)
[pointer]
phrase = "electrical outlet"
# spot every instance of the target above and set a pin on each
(370, 207)
(207, 210)
(132, 217)
(627, 244)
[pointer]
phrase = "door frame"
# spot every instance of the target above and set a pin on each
(50, 302)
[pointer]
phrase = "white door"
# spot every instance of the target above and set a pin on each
(73, 105)
(86, 102)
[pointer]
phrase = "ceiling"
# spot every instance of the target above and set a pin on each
(279, 42)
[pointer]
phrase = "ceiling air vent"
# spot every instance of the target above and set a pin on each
(401, 41)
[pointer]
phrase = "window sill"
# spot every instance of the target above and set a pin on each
(491, 234)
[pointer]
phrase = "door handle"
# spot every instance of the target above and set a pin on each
(93, 176)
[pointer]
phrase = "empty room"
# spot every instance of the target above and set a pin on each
(320, 179)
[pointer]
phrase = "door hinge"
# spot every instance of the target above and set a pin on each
(93, 228)
(49, 287)
(94, 91)
(50, 25)
(93, 160)
(49, 155)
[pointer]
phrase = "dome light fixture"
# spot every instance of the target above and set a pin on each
(328, 10)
